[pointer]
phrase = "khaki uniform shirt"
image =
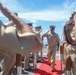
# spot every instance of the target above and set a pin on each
(52, 39)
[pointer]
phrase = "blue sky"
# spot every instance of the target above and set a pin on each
(42, 12)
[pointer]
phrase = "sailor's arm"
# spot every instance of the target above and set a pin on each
(44, 35)
(5, 11)
(10, 23)
(22, 26)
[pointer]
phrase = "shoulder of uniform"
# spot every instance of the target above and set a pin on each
(56, 34)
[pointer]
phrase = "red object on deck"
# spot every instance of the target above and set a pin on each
(45, 69)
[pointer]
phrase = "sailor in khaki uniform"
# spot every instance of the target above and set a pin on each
(18, 37)
(53, 40)
(7, 58)
(27, 59)
(21, 35)
(71, 39)
(72, 52)
(38, 30)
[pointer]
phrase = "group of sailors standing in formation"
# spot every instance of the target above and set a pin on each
(17, 40)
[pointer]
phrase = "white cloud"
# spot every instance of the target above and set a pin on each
(69, 5)
(14, 5)
(60, 13)
(45, 15)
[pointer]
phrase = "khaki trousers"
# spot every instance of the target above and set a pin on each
(26, 64)
(72, 50)
(51, 56)
(8, 61)
(73, 57)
